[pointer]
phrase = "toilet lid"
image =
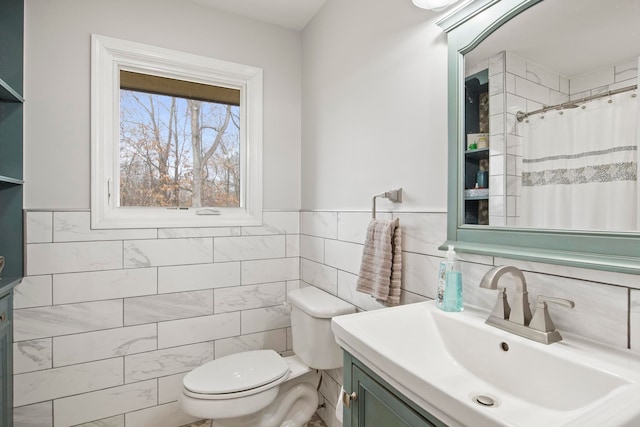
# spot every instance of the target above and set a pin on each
(237, 372)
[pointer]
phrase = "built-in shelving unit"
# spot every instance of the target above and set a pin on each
(11, 180)
(476, 205)
(477, 154)
(477, 197)
(11, 125)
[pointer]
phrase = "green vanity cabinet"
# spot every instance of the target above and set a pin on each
(376, 403)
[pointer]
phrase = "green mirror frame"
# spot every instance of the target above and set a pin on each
(466, 27)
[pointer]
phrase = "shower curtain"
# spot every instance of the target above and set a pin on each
(579, 168)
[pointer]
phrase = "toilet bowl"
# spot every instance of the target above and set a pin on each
(260, 388)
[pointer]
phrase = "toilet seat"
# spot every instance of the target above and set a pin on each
(236, 375)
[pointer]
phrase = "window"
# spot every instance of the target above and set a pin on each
(176, 138)
(179, 143)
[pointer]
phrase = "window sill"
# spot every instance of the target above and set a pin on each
(124, 218)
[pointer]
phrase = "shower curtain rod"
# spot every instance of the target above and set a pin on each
(520, 115)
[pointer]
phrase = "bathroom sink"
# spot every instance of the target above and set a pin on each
(446, 362)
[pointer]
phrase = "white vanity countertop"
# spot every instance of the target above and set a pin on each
(442, 361)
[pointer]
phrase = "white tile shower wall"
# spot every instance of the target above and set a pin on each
(108, 322)
(616, 76)
(498, 127)
(607, 304)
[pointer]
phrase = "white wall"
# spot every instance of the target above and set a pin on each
(374, 106)
(57, 61)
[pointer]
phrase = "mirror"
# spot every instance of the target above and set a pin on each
(559, 168)
(560, 185)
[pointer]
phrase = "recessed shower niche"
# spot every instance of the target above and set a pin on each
(476, 148)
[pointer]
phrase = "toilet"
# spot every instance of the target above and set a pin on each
(263, 389)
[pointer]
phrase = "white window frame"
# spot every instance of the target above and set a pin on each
(109, 56)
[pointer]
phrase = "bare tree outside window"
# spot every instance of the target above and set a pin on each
(178, 152)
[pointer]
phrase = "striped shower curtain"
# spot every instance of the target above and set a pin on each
(579, 167)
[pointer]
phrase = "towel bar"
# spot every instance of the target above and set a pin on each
(393, 195)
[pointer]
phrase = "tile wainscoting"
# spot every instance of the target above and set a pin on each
(108, 322)
(607, 304)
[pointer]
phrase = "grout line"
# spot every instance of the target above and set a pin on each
(629, 318)
(52, 227)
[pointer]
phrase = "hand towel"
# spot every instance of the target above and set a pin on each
(340, 405)
(381, 266)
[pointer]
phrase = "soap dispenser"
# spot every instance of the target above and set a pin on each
(449, 294)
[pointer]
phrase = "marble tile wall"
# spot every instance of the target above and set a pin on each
(497, 139)
(107, 322)
(109, 347)
(616, 76)
(607, 304)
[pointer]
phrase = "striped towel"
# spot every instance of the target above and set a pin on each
(381, 266)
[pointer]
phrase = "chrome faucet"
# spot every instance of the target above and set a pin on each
(516, 318)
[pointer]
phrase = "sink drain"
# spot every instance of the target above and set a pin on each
(484, 400)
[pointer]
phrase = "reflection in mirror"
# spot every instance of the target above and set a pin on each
(571, 160)
(476, 159)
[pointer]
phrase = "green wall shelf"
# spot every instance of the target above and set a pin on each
(11, 188)
(9, 180)
(8, 94)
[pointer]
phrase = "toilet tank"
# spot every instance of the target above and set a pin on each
(313, 340)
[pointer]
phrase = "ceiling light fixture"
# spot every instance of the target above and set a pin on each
(434, 4)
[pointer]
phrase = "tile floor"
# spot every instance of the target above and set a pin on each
(315, 422)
